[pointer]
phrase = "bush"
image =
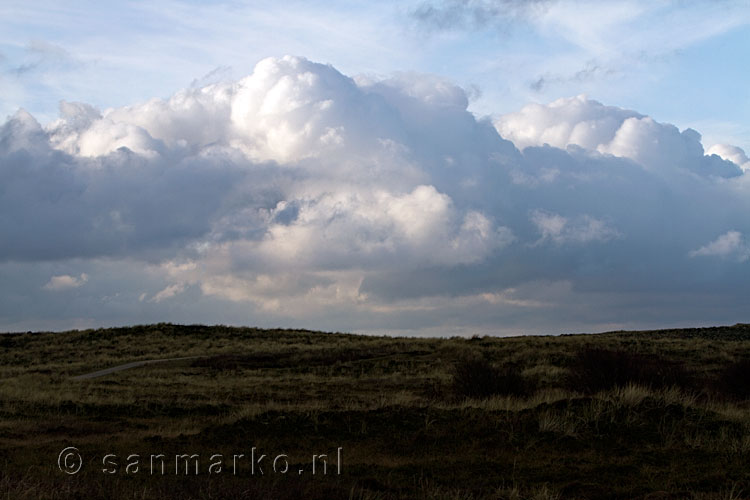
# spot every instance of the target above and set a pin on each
(475, 377)
(596, 369)
(734, 380)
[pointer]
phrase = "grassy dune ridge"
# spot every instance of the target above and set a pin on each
(657, 414)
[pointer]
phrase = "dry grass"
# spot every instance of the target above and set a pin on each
(515, 428)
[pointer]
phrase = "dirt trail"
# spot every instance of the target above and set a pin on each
(127, 366)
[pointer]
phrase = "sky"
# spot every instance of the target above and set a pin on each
(452, 167)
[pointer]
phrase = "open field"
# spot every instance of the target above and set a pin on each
(662, 414)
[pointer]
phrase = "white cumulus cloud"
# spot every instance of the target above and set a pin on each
(579, 229)
(730, 244)
(300, 195)
(168, 292)
(731, 153)
(578, 121)
(66, 282)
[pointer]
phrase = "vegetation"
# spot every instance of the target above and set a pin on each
(597, 369)
(476, 377)
(659, 414)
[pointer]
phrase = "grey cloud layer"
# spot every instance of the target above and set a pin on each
(301, 195)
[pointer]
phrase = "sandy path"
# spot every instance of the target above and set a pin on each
(127, 366)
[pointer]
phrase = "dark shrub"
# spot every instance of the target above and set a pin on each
(596, 369)
(734, 380)
(435, 390)
(475, 377)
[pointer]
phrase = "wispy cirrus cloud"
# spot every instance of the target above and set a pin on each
(477, 14)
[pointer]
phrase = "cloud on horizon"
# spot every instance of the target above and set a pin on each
(299, 196)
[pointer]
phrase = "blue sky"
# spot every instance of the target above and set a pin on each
(681, 62)
(429, 167)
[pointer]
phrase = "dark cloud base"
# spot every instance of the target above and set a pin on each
(302, 197)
